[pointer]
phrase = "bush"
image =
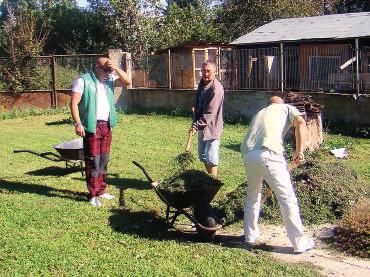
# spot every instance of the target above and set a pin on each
(324, 191)
(353, 232)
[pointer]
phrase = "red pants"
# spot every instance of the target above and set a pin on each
(96, 150)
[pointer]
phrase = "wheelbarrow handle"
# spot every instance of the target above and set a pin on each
(144, 171)
(54, 157)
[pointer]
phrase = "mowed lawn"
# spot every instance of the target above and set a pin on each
(47, 227)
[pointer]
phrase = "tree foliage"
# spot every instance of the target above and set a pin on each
(238, 17)
(193, 23)
(143, 26)
(352, 6)
(21, 40)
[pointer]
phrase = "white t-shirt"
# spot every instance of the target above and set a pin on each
(102, 102)
(268, 128)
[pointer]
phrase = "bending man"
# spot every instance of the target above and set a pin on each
(262, 151)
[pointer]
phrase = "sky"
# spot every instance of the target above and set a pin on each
(81, 3)
(84, 3)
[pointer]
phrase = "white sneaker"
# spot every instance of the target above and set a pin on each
(107, 196)
(307, 246)
(95, 202)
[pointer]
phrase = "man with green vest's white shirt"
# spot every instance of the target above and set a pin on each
(94, 114)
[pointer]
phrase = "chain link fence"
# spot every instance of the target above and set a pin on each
(150, 71)
(69, 67)
(306, 67)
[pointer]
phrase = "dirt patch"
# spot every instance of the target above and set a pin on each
(273, 240)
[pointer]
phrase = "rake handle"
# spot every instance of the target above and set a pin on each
(188, 145)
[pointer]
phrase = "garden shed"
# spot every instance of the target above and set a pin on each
(320, 53)
(179, 67)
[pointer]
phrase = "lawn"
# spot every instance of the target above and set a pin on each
(47, 227)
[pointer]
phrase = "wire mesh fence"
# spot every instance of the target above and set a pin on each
(365, 69)
(27, 74)
(258, 68)
(150, 71)
(320, 67)
(69, 67)
(305, 67)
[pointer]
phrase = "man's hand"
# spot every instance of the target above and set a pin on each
(298, 158)
(80, 130)
(192, 131)
(112, 66)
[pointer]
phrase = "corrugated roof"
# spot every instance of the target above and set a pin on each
(336, 26)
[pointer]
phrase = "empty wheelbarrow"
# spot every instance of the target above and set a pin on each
(71, 152)
(204, 217)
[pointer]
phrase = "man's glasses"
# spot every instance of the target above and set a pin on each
(106, 70)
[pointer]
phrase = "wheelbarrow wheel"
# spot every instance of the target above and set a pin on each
(205, 215)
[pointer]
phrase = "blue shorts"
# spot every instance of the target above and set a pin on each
(208, 150)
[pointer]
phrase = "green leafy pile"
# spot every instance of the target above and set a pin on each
(187, 180)
(185, 160)
(324, 191)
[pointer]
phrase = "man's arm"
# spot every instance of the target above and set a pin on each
(75, 99)
(300, 138)
(210, 111)
(123, 80)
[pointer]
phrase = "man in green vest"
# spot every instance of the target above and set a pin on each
(94, 114)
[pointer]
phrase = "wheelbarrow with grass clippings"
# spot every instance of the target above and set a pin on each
(203, 217)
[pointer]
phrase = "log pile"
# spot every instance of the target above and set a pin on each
(312, 113)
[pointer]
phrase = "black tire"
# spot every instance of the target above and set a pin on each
(205, 215)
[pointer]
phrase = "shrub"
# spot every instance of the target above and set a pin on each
(353, 232)
(324, 191)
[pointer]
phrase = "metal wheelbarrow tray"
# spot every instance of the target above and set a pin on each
(71, 152)
(178, 201)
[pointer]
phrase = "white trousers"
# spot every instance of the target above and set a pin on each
(266, 165)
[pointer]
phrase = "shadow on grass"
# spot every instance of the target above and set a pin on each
(237, 241)
(147, 225)
(54, 171)
(8, 187)
(59, 122)
(127, 183)
(233, 146)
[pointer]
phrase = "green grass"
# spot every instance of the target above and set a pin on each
(47, 227)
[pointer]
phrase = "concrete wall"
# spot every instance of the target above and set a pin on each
(337, 107)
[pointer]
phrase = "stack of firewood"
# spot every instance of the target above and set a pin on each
(312, 115)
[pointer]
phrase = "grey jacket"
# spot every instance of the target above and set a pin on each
(208, 116)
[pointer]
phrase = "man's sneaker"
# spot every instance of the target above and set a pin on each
(107, 196)
(307, 246)
(95, 202)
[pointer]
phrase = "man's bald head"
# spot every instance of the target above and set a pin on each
(276, 100)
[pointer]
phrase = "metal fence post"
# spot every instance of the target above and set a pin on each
(169, 69)
(54, 100)
(357, 67)
(281, 67)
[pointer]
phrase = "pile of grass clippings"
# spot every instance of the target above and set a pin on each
(324, 191)
(185, 160)
(187, 180)
(353, 232)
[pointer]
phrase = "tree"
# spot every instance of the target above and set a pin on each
(352, 6)
(238, 17)
(21, 41)
(193, 23)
